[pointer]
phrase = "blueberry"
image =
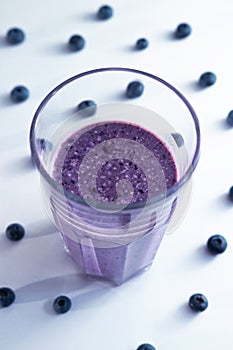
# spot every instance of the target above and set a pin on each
(134, 89)
(44, 145)
(19, 94)
(62, 304)
(183, 30)
(87, 108)
(207, 79)
(217, 244)
(7, 296)
(178, 139)
(15, 36)
(105, 12)
(142, 44)
(76, 43)
(15, 232)
(230, 118)
(146, 346)
(230, 194)
(198, 302)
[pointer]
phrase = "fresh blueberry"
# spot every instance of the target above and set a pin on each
(19, 94)
(217, 244)
(76, 43)
(105, 12)
(62, 304)
(15, 36)
(7, 296)
(178, 139)
(207, 79)
(198, 302)
(230, 118)
(183, 30)
(230, 194)
(15, 232)
(44, 145)
(146, 346)
(142, 44)
(134, 89)
(87, 108)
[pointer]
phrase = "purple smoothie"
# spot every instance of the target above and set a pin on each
(118, 260)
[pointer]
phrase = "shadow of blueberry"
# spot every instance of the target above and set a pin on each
(185, 313)
(57, 48)
(170, 35)
(225, 201)
(221, 124)
(195, 86)
(4, 43)
(203, 254)
(5, 101)
(90, 16)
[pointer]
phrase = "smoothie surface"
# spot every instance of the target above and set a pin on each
(67, 167)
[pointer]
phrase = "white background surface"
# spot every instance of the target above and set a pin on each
(152, 307)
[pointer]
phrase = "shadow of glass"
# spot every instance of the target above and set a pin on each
(34, 230)
(19, 166)
(39, 229)
(50, 288)
(86, 300)
(93, 297)
(6, 244)
(8, 145)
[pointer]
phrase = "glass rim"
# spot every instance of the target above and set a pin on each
(169, 192)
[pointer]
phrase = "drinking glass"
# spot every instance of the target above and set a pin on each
(109, 240)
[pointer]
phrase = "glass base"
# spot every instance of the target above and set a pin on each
(117, 282)
(116, 264)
